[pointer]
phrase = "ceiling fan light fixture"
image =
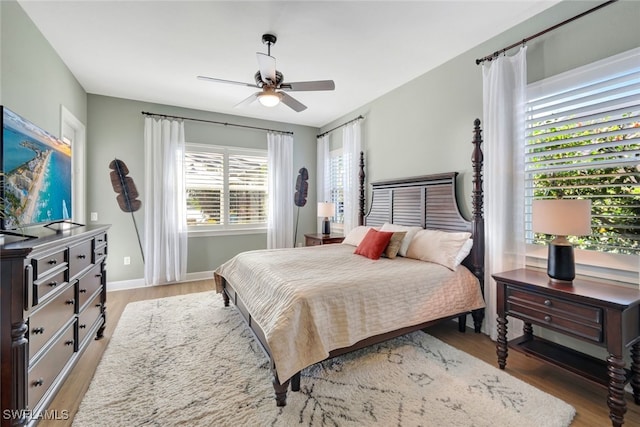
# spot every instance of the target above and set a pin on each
(269, 98)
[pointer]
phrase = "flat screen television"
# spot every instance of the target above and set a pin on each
(36, 174)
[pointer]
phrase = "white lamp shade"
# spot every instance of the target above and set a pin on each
(326, 209)
(269, 98)
(562, 217)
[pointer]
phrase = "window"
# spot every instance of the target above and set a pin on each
(583, 141)
(226, 188)
(336, 185)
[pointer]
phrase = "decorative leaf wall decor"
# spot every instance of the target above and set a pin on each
(302, 186)
(125, 187)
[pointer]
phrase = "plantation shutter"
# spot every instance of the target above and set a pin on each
(247, 189)
(583, 141)
(204, 179)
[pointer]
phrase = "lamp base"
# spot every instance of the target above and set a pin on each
(561, 266)
(326, 226)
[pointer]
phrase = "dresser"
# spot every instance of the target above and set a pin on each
(52, 305)
(597, 312)
(315, 239)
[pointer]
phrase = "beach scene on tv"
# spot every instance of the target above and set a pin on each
(37, 169)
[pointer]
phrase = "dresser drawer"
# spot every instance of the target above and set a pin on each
(87, 318)
(47, 285)
(44, 373)
(80, 257)
(43, 263)
(580, 320)
(49, 318)
(88, 285)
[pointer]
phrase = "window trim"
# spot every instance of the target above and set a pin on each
(225, 229)
(622, 267)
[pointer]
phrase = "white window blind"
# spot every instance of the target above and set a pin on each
(336, 184)
(583, 141)
(226, 187)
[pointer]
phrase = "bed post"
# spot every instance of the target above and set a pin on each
(361, 175)
(477, 225)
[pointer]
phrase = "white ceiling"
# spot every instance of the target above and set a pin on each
(153, 50)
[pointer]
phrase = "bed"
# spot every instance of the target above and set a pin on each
(305, 305)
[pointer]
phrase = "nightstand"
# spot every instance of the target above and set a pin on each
(597, 312)
(315, 239)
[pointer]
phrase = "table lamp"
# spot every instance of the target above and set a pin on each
(561, 218)
(326, 209)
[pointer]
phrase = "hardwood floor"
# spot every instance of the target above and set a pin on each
(589, 399)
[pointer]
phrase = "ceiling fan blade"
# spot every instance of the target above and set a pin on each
(308, 86)
(267, 65)
(211, 79)
(247, 100)
(292, 102)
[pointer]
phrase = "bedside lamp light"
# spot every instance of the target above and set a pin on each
(326, 209)
(561, 218)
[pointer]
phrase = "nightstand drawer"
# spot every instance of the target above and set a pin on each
(580, 320)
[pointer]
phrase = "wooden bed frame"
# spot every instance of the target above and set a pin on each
(426, 201)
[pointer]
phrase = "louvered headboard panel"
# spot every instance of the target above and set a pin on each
(427, 201)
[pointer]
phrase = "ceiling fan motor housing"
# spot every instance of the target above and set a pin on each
(259, 82)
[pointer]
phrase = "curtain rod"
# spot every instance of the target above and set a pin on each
(503, 50)
(213, 121)
(339, 126)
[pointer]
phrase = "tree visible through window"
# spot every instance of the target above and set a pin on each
(583, 141)
(226, 187)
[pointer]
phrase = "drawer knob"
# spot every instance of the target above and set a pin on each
(39, 382)
(82, 326)
(53, 284)
(69, 302)
(82, 256)
(69, 342)
(547, 318)
(53, 261)
(547, 303)
(39, 330)
(83, 291)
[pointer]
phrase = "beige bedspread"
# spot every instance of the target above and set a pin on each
(309, 301)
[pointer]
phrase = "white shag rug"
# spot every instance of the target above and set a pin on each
(188, 360)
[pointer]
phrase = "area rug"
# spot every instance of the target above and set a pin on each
(188, 360)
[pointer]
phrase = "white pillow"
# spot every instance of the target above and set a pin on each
(438, 246)
(355, 236)
(464, 251)
(411, 231)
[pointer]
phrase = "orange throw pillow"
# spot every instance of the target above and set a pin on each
(374, 243)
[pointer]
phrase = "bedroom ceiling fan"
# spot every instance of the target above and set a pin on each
(271, 81)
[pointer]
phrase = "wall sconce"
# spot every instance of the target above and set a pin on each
(561, 218)
(326, 209)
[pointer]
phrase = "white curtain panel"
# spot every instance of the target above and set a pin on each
(323, 174)
(165, 222)
(504, 97)
(281, 190)
(351, 146)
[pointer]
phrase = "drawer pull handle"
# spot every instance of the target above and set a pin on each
(69, 302)
(69, 342)
(547, 303)
(52, 261)
(39, 382)
(83, 291)
(547, 318)
(98, 305)
(82, 326)
(82, 256)
(53, 284)
(99, 275)
(99, 240)
(39, 330)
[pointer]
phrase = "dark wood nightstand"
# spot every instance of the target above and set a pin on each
(601, 313)
(315, 239)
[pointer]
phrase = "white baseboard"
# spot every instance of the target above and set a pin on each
(139, 283)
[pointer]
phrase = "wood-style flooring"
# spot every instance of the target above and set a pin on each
(590, 400)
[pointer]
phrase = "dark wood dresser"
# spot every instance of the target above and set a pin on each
(316, 239)
(52, 304)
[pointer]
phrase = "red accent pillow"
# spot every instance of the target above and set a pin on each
(374, 243)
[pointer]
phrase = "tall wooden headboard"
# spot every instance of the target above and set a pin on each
(430, 201)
